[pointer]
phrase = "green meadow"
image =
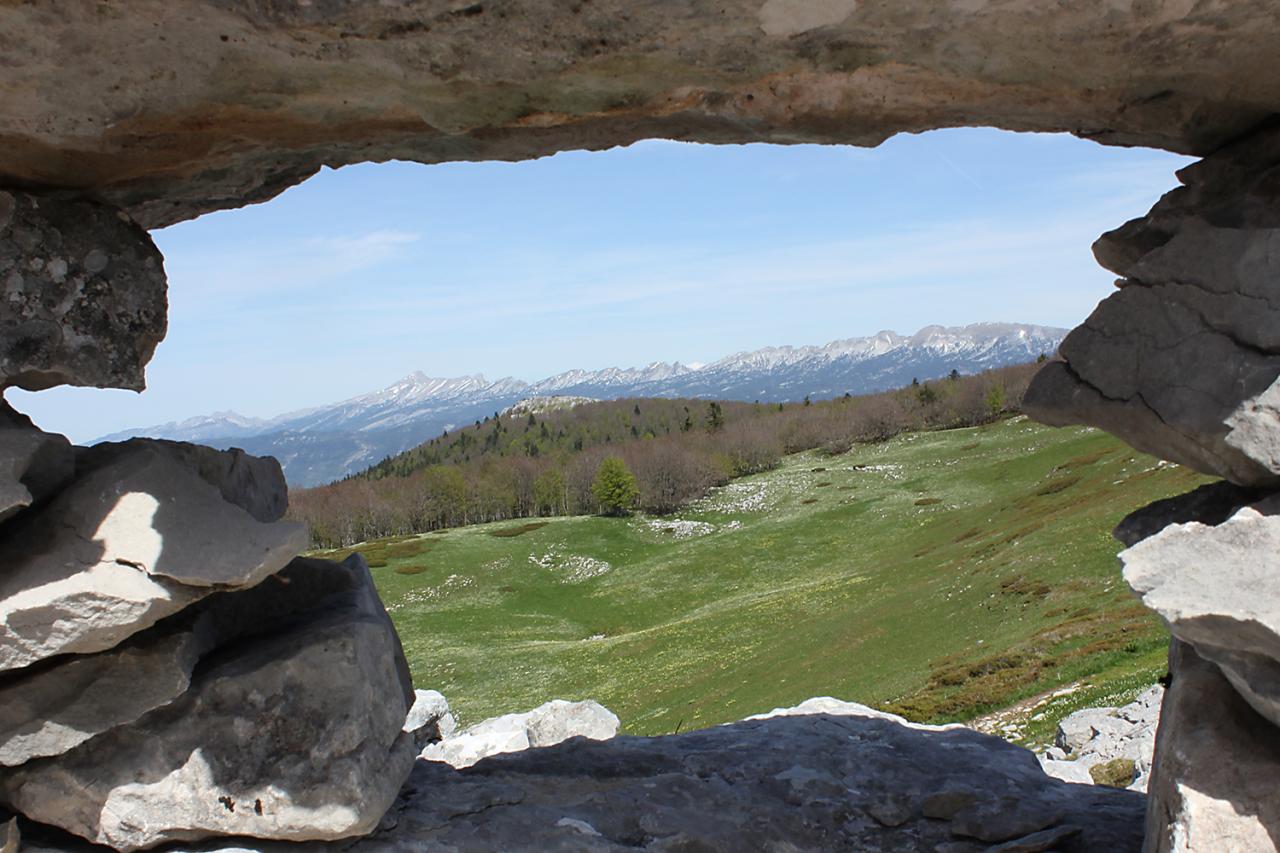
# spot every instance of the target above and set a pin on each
(940, 575)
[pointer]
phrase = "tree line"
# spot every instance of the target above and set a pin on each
(530, 465)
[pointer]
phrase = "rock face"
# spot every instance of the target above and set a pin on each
(294, 735)
(83, 294)
(1214, 782)
(138, 537)
(1182, 361)
(548, 724)
(170, 113)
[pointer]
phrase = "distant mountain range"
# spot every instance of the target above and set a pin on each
(325, 443)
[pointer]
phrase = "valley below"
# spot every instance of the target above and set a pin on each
(941, 575)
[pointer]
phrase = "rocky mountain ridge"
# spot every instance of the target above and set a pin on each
(324, 443)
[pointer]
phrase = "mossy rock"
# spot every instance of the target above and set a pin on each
(1116, 773)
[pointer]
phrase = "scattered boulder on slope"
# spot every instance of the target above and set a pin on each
(548, 724)
(1182, 360)
(1092, 737)
(294, 733)
(429, 720)
(138, 537)
(84, 294)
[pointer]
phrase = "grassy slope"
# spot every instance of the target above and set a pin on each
(941, 574)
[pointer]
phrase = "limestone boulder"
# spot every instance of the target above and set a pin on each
(799, 779)
(137, 538)
(294, 733)
(33, 464)
(1218, 588)
(548, 724)
(84, 294)
(52, 707)
(1213, 786)
(50, 710)
(1094, 736)
(256, 484)
(1183, 360)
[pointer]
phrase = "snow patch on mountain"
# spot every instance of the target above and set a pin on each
(327, 442)
(541, 404)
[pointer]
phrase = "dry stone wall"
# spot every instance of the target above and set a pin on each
(1183, 362)
(140, 562)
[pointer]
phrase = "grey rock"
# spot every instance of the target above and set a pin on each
(54, 709)
(1036, 842)
(546, 725)
(254, 483)
(50, 708)
(291, 735)
(429, 720)
(1070, 770)
(1183, 360)
(136, 539)
(1004, 821)
(33, 464)
(559, 720)
(1088, 726)
(1216, 588)
(1213, 786)
(891, 812)
(83, 294)
(949, 802)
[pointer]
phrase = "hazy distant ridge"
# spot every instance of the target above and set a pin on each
(327, 442)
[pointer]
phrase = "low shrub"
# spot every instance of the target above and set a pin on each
(518, 530)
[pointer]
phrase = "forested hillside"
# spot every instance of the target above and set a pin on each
(529, 465)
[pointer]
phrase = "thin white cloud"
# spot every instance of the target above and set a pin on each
(359, 252)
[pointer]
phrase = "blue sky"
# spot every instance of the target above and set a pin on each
(660, 251)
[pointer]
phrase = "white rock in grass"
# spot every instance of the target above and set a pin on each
(548, 724)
